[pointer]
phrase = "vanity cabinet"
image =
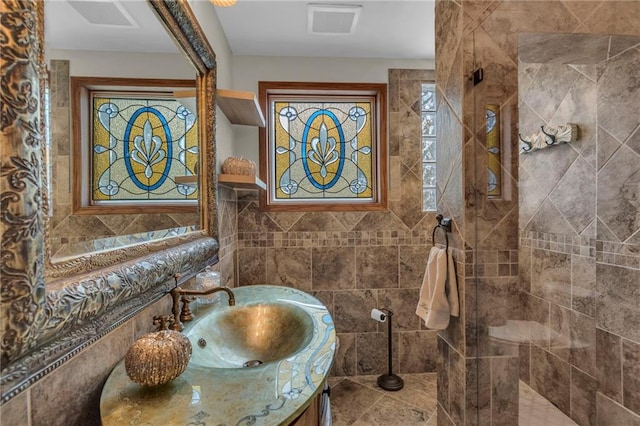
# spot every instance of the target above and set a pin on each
(311, 415)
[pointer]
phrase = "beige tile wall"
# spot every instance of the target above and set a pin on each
(228, 235)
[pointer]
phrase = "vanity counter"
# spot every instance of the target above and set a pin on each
(274, 393)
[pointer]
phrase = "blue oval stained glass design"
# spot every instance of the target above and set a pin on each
(148, 150)
(322, 154)
(139, 147)
(323, 150)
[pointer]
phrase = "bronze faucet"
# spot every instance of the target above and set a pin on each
(178, 293)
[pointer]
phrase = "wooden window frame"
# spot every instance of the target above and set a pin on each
(380, 163)
(81, 88)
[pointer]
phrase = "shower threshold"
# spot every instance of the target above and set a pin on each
(535, 410)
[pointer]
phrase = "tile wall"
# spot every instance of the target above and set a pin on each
(67, 228)
(453, 361)
(478, 380)
(357, 261)
(227, 235)
(579, 229)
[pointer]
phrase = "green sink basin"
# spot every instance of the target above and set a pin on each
(249, 335)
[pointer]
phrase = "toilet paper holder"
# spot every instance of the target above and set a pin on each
(378, 315)
(389, 381)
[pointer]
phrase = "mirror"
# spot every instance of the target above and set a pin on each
(43, 326)
(114, 50)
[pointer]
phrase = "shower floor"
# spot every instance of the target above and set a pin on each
(357, 400)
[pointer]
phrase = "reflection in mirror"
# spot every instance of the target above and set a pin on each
(119, 46)
(43, 326)
(69, 252)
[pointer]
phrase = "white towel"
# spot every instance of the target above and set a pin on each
(439, 291)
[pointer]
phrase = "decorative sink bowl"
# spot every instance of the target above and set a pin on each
(291, 331)
(249, 335)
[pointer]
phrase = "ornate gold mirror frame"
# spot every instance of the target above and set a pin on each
(44, 326)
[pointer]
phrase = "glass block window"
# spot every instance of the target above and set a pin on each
(429, 202)
(139, 145)
(324, 148)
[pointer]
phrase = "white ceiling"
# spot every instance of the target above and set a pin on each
(66, 28)
(385, 29)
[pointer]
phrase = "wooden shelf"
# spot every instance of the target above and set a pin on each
(241, 182)
(240, 107)
(186, 180)
(233, 181)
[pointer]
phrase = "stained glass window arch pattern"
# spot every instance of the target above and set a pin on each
(139, 144)
(324, 150)
(428, 108)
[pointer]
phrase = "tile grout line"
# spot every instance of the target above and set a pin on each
(411, 405)
(390, 395)
(621, 371)
(370, 407)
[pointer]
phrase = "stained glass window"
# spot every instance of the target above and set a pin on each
(494, 156)
(139, 145)
(429, 201)
(324, 148)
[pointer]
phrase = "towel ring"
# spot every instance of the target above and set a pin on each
(445, 225)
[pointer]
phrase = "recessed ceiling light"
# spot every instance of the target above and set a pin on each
(332, 19)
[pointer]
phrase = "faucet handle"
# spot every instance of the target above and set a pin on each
(185, 313)
(163, 321)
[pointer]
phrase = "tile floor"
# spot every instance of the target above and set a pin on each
(358, 401)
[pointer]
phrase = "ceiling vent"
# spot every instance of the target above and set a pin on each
(333, 19)
(106, 13)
